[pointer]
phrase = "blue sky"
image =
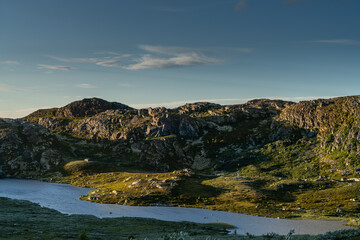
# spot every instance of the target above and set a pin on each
(168, 52)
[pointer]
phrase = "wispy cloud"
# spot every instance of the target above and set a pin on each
(108, 63)
(336, 41)
(18, 113)
(107, 53)
(85, 85)
(125, 85)
(173, 50)
(10, 62)
(224, 101)
(54, 67)
(9, 88)
(154, 57)
(148, 61)
(169, 57)
(75, 60)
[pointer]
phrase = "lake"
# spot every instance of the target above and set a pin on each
(64, 198)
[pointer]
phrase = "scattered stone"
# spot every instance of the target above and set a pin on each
(138, 182)
(354, 179)
(116, 192)
(339, 210)
(128, 179)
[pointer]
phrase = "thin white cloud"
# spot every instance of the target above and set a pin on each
(18, 113)
(75, 60)
(171, 57)
(85, 85)
(54, 67)
(10, 62)
(224, 101)
(125, 85)
(153, 57)
(107, 53)
(148, 61)
(337, 41)
(9, 88)
(172, 50)
(108, 63)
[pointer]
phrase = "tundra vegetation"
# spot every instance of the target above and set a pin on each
(265, 157)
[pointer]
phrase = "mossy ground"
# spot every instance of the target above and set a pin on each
(264, 194)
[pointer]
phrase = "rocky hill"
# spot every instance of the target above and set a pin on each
(316, 137)
(165, 139)
(265, 157)
(84, 108)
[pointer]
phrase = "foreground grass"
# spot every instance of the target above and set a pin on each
(24, 220)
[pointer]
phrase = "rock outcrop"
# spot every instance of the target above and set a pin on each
(28, 150)
(335, 121)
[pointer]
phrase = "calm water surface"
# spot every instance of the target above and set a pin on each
(64, 198)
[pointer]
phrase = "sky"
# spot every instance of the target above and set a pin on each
(148, 53)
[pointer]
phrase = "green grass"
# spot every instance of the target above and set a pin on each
(85, 166)
(160, 138)
(264, 195)
(25, 220)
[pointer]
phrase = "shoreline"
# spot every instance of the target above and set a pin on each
(244, 220)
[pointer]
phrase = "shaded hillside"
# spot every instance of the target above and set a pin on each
(188, 136)
(28, 150)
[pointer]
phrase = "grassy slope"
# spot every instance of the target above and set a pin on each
(257, 195)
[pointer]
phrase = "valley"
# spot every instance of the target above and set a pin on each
(265, 157)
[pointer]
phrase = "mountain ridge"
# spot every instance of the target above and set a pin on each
(252, 124)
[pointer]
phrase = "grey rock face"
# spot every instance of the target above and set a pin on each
(27, 149)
